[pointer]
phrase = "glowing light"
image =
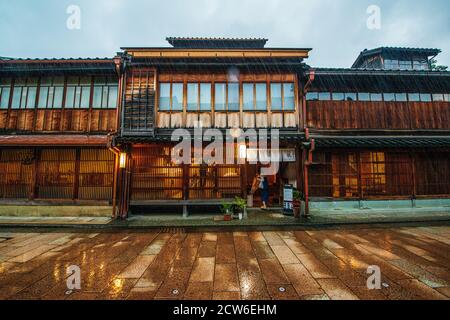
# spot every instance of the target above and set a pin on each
(123, 160)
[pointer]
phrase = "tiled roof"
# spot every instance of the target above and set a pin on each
(385, 142)
(242, 43)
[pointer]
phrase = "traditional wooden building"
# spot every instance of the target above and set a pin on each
(101, 132)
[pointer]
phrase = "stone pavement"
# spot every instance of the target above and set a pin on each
(315, 264)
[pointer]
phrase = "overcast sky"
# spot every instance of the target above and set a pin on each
(335, 29)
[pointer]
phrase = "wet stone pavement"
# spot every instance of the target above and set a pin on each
(319, 264)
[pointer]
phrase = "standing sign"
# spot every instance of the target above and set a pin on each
(288, 199)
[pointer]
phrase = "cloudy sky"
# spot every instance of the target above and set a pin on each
(336, 29)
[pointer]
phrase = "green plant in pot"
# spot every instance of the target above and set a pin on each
(240, 205)
(227, 210)
(299, 199)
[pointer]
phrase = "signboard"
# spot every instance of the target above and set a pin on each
(268, 155)
(288, 199)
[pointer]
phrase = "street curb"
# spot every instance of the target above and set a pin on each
(249, 227)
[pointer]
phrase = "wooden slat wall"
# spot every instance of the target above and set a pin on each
(58, 120)
(56, 173)
(404, 174)
(378, 115)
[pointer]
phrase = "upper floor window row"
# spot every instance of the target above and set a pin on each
(417, 64)
(58, 92)
(223, 97)
(387, 97)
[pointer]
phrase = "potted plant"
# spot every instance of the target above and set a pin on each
(298, 204)
(240, 205)
(227, 210)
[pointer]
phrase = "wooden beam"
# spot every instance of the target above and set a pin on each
(53, 140)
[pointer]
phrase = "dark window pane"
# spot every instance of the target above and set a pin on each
(401, 97)
(177, 97)
(275, 97)
(164, 96)
(338, 96)
(324, 96)
(414, 97)
(364, 96)
(205, 97)
(233, 97)
(248, 97)
(192, 97)
(220, 96)
(261, 97)
(312, 96)
(389, 97)
(289, 96)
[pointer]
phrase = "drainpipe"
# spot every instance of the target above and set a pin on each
(116, 152)
(307, 161)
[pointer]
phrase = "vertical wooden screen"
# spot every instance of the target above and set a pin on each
(380, 174)
(154, 176)
(139, 104)
(16, 173)
(96, 174)
(214, 182)
(56, 174)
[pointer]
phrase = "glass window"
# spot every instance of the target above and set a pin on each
(58, 97)
(414, 97)
(389, 97)
(362, 96)
(164, 96)
(376, 97)
(337, 96)
(31, 98)
(5, 91)
(391, 64)
(401, 97)
(97, 98)
(70, 97)
(85, 97)
(112, 98)
(248, 97)
(276, 102)
(312, 96)
(425, 97)
(350, 97)
(261, 97)
(289, 96)
(17, 97)
(177, 97)
(420, 64)
(438, 97)
(233, 97)
(220, 99)
(405, 65)
(324, 96)
(447, 97)
(192, 97)
(205, 97)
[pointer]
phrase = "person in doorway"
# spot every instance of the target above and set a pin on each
(264, 192)
(256, 184)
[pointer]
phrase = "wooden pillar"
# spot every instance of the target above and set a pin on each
(413, 175)
(305, 180)
(76, 178)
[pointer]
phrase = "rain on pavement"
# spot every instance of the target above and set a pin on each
(318, 264)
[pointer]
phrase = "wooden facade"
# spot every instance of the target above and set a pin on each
(65, 125)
